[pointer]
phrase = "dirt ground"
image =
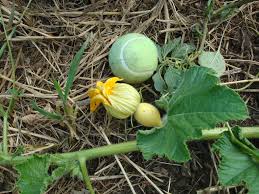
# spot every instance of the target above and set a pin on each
(46, 40)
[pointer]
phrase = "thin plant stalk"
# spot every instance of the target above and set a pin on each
(5, 134)
(246, 148)
(5, 123)
(205, 32)
(86, 177)
(121, 148)
(130, 146)
(10, 55)
(231, 6)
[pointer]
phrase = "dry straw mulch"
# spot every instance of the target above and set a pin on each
(46, 40)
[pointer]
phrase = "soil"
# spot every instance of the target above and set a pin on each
(47, 39)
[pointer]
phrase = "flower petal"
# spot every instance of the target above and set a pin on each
(96, 101)
(109, 85)
(92, 92)
(99, 85)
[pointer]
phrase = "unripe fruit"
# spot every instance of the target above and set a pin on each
(133, 57)
(148, 115)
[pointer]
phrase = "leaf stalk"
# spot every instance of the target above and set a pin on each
(102, 151)
(86, 177)
(121, 148)
(210, 134)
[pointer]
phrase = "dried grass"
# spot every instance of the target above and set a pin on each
(46, 40)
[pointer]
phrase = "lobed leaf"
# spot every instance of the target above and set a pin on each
(159, 82)
(170, 46)
(183, 50)
(33, 175)
(236, 166)
(198, 103)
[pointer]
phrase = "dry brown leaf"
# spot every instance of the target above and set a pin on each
(31, 118)
(36, 117)
(5, 3)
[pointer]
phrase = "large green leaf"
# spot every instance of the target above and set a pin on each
(236, 166)
(34, 177)
(198, 103)
(172, 78)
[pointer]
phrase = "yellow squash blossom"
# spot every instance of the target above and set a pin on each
(119, 99)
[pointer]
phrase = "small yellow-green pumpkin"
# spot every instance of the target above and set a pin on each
(148, 115)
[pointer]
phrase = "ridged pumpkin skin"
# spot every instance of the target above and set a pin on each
(133, 57)
(124, 101)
